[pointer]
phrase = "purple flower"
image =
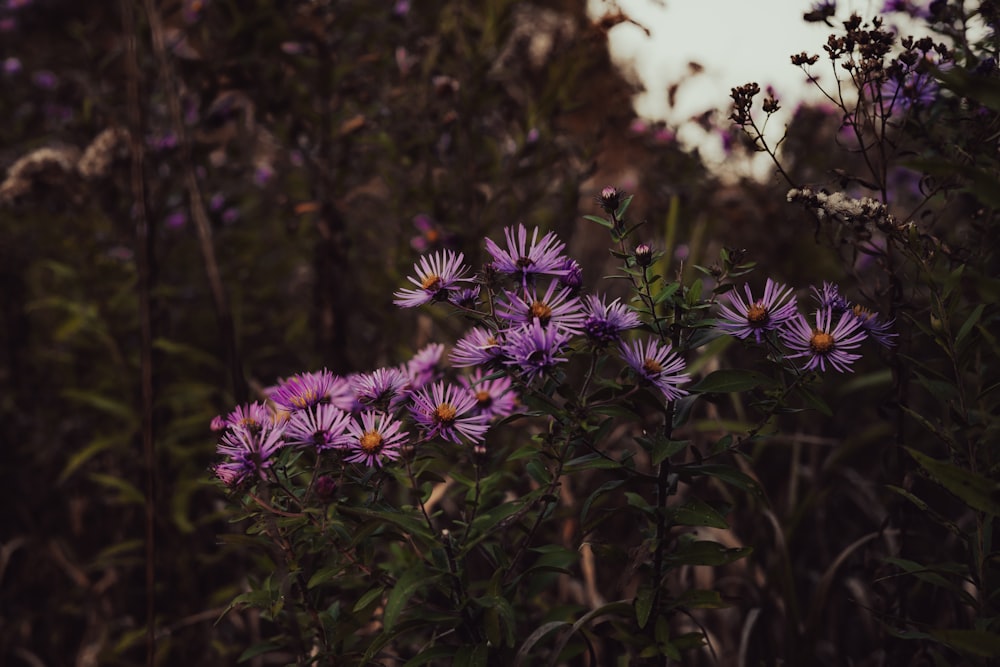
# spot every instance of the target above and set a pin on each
(12, 65)
(829, 296)
(176, 220)
(606, 322)
(425, 366)
(519, 258)
(755, 317)
(374, 437)
(911, 7)
(560, 309)
(447, 411)
(494, 397)
(382, 387)
(879, 330)
(322, 426)
(44, 79)
(250, 416)
(437, 275)
(825, 343)
(248, 451)
(573, 278)
(913, 89)
(478, 347)
(467, 297)
(305, 390)
(535, 349)
(655, 363)
(431, 234)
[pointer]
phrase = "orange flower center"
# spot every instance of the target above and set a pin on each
(445, 414)
(431, 282)
(652, 366)
(542, 311)
(484, 398)
(757, 314)
(371, 442)
(821, 342)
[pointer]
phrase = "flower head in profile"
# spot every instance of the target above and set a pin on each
(743, 318)
(380, 388)
(437, 276)
(253, 416)
(249, 451)
(880, 330)
(527, 260)
(425, 366)
(322, 427)
(573, 278)
(373, 438)
(494, 397)
(657, 364)
(605, 322)
(828, 296)
(478, 347)
(535, 349)
(447, 411)
(305, 390)
(560, 308)
(467, 297)
(825, 343)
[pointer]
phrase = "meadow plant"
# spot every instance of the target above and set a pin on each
(533, 502)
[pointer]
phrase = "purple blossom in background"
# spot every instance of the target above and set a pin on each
(532, 136)
(425, 366)
(263, 174)
(305, 390)
(743, 318)
(605, 322)
(915, 90)
(560, 309)
(494, 397)
(535, 349)
(374, 437)
(230, 215)
(478, 347)
(322, 426)
(825, 343)
(914, 8)
(216, 202)
(382, 387)
(541, 256)
(8, 24)
(176, 219)
(447, 411)
(45, 79)
(248, 451)
(292, 48)
(12, 65)
(657, 364)
(401, 8)
(437, 275)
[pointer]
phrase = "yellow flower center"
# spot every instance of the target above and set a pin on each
(431, 282)
(821, 342)
(484, 398)
(652, 366)
(757, 314)
(371, 442)
(445, 414)
(541, 310)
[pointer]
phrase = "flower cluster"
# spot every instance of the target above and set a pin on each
(827, 338)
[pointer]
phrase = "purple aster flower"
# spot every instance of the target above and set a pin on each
(248, 451)
(829, 296)
(657, 364)
(560, 309)
(305, 390)
(879, 330)
(467, 297)
(494, 397)
(606, 321)
(437, 275)
(12, 65)
(755, 317)
(252, 416)
(425, 366)
(322, 426)
(45, 79)
(825, 343)
(373, 438)
(477, 348)
(913, 89)
(218, 423)
(447, 411)
(383, 387)
(573, 278)
(534, 348)
(519, 258)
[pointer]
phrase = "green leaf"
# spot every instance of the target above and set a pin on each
(601, 221)
(643, 606)
(699, 599)
(533, 638)
(257, 649)
(969, 323)
(664, 449)
(401, 593)
(694, 512)
(127, 493)
(591, 462)
(975, 490)
(704, 552)
(726, 473)
(472, 656)
(976, 642)
(732, 380)
(95, 447)
(366, 599)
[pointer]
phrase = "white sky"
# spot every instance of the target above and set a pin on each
(736, 41)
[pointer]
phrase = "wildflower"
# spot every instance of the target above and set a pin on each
(432, 235)
(373, 439)
(467, 297)
(305, 390)
(610, 199)
(425, 366)
(643, 254)
(557, 309)
(478, 347)
(382, 387)
(534, 348)
(494, 397)
(325, 487)
(573, 278)
(437, 275)
(878, 329)
(248, 451)
(743, 318)
(323, 426)
(829, 296)
(655, 363)
(605, 322)
(825, 343)
(447, 411)
(252, 416)
(540, 257)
